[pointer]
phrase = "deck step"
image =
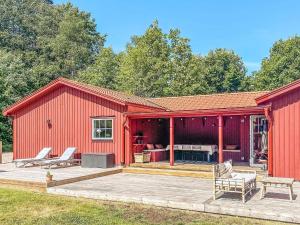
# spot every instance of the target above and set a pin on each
(191, 167)
(169, 172)
(174, 172)
(186, 167)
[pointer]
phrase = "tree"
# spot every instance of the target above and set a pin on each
(145, 64)
(12, 85)
(281, 67)
(179, 78)
(104, 71)
(40, 41)
(77, 42)
(160, 64)
(224, 71)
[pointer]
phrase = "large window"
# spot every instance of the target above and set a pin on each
(102, 129)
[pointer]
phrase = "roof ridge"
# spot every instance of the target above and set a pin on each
(125, 94)
(213, 94)
(92, 85)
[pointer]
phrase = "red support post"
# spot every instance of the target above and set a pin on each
(128, 143)
(220, 131)
(171, 141)
(270, 141)
(14, 137)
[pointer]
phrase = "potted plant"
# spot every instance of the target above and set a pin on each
(49, 177)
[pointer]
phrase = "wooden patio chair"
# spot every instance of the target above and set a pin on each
(225, 180)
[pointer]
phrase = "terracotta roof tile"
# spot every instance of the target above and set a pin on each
(213, 101)
(196, 102)
(120, 96)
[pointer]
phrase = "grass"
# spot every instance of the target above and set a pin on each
(20, 207)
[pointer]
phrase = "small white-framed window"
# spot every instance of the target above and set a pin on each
(102, 128)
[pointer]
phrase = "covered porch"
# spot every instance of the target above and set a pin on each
(202, 139)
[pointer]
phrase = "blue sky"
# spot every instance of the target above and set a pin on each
(249, 27)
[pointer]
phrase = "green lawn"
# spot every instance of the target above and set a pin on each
(25, 207)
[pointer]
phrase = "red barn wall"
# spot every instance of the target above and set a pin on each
(286, 136)
(70, 112)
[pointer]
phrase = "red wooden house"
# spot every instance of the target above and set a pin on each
(259, 128)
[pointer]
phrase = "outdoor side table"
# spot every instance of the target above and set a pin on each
(277, 182)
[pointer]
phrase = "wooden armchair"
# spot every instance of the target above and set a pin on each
(225, 180)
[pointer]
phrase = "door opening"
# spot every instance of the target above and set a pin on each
(259, 141)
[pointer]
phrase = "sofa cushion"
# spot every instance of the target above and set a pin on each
(159, 146)
(150, 146)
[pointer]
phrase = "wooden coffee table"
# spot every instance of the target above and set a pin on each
(277, 182)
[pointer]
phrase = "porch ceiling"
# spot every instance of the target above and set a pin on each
(194, 113)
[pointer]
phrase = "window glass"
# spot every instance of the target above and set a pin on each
(102, 129)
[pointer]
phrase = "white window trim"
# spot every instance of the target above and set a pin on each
(112, 129)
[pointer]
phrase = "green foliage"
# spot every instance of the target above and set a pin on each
(281, 67)
(40, 41)
(160, 64)
(145, 64)
(224, 71)
(104, 71)
(77, 41)
(7, 148)
(13, 85)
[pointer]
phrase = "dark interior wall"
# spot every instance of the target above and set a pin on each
(156, 131)
(202, 130)
(198, 130)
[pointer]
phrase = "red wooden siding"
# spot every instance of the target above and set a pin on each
(286, 136)
(70, 112)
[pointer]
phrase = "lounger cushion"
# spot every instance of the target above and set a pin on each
(248, 176)
(236, 179)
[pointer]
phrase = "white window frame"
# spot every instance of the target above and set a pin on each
(112, 128)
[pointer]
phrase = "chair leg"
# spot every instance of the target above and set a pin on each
(215, 195)
(262, 193)
(291, 193)
(243, 192)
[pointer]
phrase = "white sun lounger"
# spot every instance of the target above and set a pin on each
(41, 156)
(65, 159)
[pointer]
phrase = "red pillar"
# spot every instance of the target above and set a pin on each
(128, 143)
(14, 137)
(270, 141)
(220, 129)
(171, 141)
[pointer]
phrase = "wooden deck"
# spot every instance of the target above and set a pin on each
(35, 177)
(189, 169)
